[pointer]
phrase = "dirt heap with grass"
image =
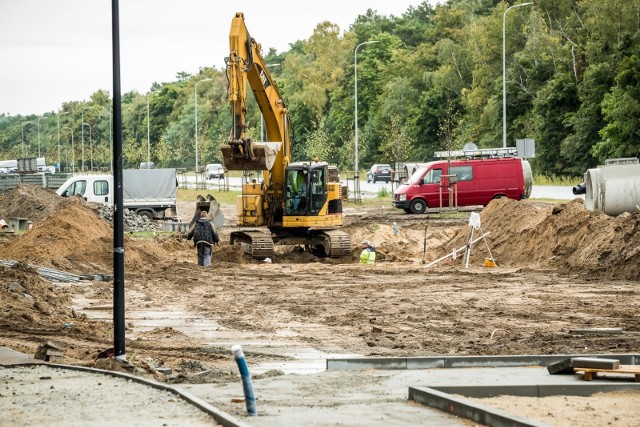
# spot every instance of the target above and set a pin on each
(566, 236)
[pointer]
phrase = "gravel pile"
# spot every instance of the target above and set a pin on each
(132, 221)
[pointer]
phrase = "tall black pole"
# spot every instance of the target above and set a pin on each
(118, 214)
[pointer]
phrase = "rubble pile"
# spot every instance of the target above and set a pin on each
(132, 221)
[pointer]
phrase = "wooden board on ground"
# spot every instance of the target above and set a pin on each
(590, 373)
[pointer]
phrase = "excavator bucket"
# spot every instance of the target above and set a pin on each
(211, 206)
(258, 156)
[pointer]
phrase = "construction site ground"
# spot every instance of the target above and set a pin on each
(559, 269)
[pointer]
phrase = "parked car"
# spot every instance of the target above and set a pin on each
(379, 172)
(214, 170)
(476, 183)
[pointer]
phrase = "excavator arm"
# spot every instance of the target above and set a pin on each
(246, 66)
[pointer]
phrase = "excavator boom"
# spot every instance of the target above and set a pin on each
(245, 66)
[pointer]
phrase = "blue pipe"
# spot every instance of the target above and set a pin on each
(249, 398)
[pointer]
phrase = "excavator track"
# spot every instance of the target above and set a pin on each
(255, 243)
(338, 243)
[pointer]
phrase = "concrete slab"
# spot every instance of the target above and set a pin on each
(10, 357)
(465, 408)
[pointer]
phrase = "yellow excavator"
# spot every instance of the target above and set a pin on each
(299, 203)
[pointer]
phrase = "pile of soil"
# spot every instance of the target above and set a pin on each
(31, 202)
(566, 236)
(76, 239)
(29, 302)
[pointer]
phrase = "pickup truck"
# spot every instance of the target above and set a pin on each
(147, 192)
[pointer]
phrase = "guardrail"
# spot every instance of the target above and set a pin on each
(46, 180)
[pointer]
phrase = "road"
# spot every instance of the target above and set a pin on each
(368, 190)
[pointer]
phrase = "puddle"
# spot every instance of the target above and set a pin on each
(306, 360)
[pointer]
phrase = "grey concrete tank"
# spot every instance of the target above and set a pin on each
(613, 188)
(528, 178)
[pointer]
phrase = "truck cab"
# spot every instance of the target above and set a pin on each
(92, 188)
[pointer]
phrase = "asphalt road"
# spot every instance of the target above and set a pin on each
(554, 192)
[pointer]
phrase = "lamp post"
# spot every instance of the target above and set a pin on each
(59, 114)
(195, 97)
(262, 116)
(73, 151)
(356, 180)
(22, 143)
(44, 115)
(82, 130)
(90, 144)
(149, 130)
(504, 74)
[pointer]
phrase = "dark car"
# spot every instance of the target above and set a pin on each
(379, 172)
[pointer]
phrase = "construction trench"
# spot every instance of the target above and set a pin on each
(565, 278)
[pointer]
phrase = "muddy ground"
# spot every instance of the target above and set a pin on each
(559, 268)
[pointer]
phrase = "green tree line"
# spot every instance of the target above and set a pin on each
(431, 81)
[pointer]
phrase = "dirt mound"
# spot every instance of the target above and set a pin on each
(567, 236)
(29, 201)
(76, 239)
(29, 302)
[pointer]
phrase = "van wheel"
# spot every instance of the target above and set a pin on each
(146, 214)
(418, 206)
(498, 196)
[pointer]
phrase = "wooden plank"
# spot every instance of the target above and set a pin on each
(590, 373)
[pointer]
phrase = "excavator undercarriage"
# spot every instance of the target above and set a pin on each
(322, 243)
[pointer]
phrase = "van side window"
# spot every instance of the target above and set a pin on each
(464, 173)
(433, 176)
(78, 187)
(100, 188)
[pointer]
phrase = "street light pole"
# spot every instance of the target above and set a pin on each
(73, 151)
(356, 180)
(149, 130)
(504, 74)
(195, 97)
(82, 121)
(44, 115)
(90, 143)
(59, 114)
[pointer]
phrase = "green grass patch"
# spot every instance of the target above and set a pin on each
(223, 197)
(383, 192)
(556, 180)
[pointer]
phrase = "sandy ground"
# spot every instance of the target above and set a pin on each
(559, 268)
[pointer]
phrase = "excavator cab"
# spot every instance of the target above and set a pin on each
(306, 191)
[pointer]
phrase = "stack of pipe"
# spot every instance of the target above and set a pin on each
(613, 188)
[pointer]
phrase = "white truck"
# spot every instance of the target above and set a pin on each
(147, 192)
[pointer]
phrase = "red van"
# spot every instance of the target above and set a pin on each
(476, 182)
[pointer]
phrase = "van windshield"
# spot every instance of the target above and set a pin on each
(417, 175)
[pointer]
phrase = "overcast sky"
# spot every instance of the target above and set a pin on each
(56, 51)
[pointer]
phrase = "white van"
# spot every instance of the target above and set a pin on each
(147, 192)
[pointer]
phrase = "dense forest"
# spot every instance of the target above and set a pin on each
(431, 81)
